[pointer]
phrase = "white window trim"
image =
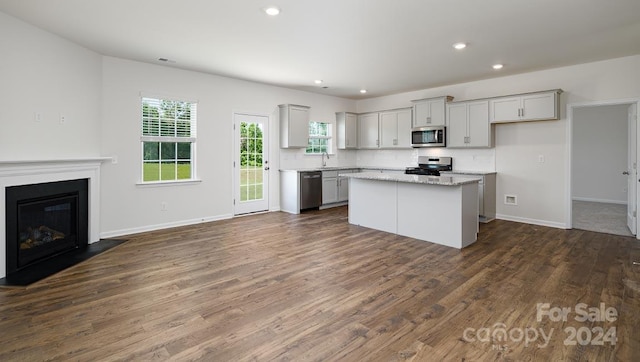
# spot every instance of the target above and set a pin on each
(169, 139)
(330, 138)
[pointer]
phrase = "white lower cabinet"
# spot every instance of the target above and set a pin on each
(343, 188)
(343, 185)
(486, 193)
(329, 187)
(335, 186)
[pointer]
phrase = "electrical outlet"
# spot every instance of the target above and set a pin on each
(163, 206)
(63, 119)
(114, 159)
(541, 158)
(37, 117)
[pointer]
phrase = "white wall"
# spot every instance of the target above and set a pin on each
(599, 153)
(540, 187)
(51, 76)
(100, 98)
(42, 73)
(128, 207)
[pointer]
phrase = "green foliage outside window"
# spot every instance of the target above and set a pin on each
(319, 138)
(168, 136)
(250, 144)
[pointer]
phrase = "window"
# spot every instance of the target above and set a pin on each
(168, 140)
(319, 138)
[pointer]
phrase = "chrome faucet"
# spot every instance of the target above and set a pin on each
(324, 162)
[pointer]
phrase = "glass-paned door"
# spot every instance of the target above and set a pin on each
(251, 167)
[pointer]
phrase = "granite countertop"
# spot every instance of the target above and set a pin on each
(465, 172)
(416, 179)
(338, 168)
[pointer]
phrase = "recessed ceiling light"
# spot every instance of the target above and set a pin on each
(497, 66)
(459, 46)
(363, 91)
(272, 10)
(318, 81)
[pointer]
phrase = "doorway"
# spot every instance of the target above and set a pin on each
(251, 165)
(603, 151)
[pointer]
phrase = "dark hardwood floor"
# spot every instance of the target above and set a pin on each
(312, 287)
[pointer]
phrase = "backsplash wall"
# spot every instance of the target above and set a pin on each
(296, 159)
(466, 160)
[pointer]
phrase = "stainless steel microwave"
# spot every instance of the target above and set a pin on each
(433, 136)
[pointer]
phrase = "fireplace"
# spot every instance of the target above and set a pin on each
(45, 221)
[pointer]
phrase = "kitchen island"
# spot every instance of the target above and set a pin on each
(438, 209)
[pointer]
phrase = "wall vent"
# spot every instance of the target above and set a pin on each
(511, 200)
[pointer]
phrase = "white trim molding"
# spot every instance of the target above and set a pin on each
(552, 224)
(16, 173)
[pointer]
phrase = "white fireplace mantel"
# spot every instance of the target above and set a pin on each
(26, 172)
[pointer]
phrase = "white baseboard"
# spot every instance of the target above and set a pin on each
(599, 200)
(142, 229)
(553, 224)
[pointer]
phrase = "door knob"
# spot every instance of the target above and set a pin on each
(266, 168)
(625, 172)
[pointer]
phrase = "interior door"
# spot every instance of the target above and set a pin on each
(632, 170)
(251, 165)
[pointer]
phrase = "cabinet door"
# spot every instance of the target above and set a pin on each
(404, 129)
(480, 198)
(436, 112)
(421, 114)
(457, 129)
(298, 127)
(479, 127)
(329, 190)
(368, 130)
(343, 188)
(537, 107)
(429, 112)
(351, 130)
(505, 109)
(346, 130)
(388, 129)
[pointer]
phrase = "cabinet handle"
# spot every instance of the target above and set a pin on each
(377, 142)
(522, 114)
(395, 142)
(428, 119)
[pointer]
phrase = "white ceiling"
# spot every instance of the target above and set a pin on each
(385, 46)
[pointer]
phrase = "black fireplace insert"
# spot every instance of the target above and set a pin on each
(45, 221)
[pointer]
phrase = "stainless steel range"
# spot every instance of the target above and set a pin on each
(431, 166)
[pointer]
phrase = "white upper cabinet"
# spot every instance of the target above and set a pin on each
(540, 106)
(479, 126)
(347, 124)
(457, 127)
(368, 131)
(468, 124)
(395, 128)
(294, 126)
(430, 111)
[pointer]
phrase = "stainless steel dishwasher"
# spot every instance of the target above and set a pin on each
(310, 189)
